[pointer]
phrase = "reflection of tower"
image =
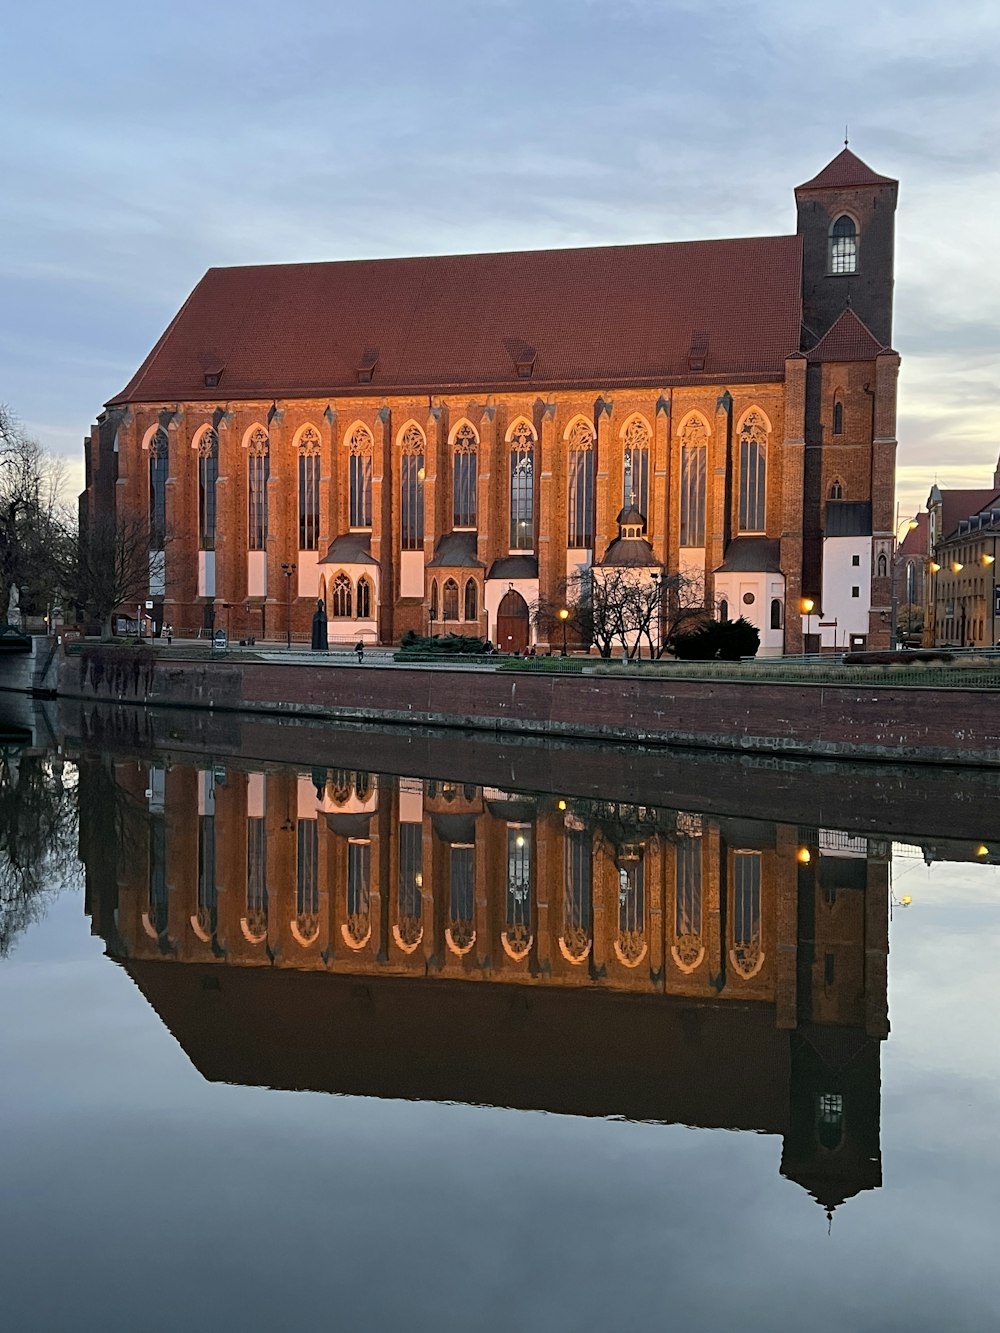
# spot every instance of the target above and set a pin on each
(832, 1148)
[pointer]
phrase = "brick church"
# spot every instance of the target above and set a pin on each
(439, 443)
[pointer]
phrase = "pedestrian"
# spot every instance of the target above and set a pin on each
(359, 648)
(169, 632)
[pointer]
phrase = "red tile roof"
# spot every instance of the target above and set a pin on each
(615, 314)
(844, 171)
(916, 540)
(849, 339)
(959, 504)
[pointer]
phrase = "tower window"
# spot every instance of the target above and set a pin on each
(844, 246)
(838, 418)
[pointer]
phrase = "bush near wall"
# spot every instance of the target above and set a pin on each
(415, 646)
(718, 640)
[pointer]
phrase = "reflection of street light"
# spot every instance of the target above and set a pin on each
(805, 606)
(564, 616)
(288, 570)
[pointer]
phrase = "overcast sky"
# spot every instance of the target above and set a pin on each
(141, 145)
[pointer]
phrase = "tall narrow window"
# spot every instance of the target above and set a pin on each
(256, 916)
(364, 599)
(522, 488)
(844, 246)
(159, 449)
(580, 464)
(208, 475)
(688, 948)
(694, 465)
(746, 955)
(258, 472)
(838, 418)
(517, 937)
(449, 600)
(635, 474)
(307, 881)
(753, 473)
(358, 927)
(410, 925)
(465, 477)
(309, 446)
(411, 482)
(342, 598)
(471, 600)
(631, 943)
(460, 931)
(836, 490)
(578, 876)
(361, 446)
(777, 613)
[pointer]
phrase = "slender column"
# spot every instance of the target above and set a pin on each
(793, 496)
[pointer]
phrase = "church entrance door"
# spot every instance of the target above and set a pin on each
(512, 623)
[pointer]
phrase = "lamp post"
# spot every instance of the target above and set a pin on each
(288, 570)
(564, 616)
(806, 607)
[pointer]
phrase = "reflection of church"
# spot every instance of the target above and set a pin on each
(318, 930)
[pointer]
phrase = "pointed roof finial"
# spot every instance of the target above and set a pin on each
(846, 139)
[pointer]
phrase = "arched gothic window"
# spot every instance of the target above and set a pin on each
(777, 613)
(522, 488)
(517, 937)
(357, 929)
(307, 882)
(409, 928)
(723, 609)
(836, 489)
(580, 466)
(471, 600)
(838, 418)
(258, 472)
(309, 446)
(159, 450)
(465, 478)
(746, 954)
(207, 920)
(342, 598)
(630, 946)
(449, 600)
(361, 447)
(635, 474)
(158, 895)
(844, 245)
(688, 949)
(460, 932)
(694, 468)
(411, 484)
(578, 874)
(364, 608)
(255, 926)
(753, 473)
(208, 475)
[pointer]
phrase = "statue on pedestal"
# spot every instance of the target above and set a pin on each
(319, 635)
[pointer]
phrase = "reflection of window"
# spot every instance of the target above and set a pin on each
(517, 936)
(361, 446)
(746, 953)
(464, 479)
(307, 881)
(208, 898)
(158, 874)
(258, 472)
(410, 926)
(844, 246)
(581, 485)
(522, 489)
(688, 950)
(631, 943)
(577, 889)
(411, 483)
(256, 915)
(357, 929)
(830, 1120)
(449, 600)
(461, 929)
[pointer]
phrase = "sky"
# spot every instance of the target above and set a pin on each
(142, 145)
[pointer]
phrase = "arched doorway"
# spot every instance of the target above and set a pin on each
(512, 623)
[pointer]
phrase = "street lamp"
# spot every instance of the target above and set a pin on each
(806, 606)
(288, 570)
(564, 616)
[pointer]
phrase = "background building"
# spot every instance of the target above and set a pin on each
(962, 585)
(442, 442)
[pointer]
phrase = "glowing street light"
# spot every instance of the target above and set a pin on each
(564, 616)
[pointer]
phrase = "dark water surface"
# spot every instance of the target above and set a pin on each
(312, 1044)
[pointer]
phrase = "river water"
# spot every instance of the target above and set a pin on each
(363, 1031)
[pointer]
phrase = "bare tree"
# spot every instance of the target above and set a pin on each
(38, 839)
(112, 566)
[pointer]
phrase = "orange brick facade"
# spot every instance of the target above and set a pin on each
(356, 557)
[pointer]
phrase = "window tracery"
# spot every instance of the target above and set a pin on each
(364, 608)
(409, 928)
(159, 466)
(357, 929)
(411, 483)
(306, 929)
(342, 598)
(746, 954)
(309, 469)
(517, 938)
(460, 932)
(361, 447)
(255, 920)
(465, 479)
(449, 600)
(576, 938)
(635, 471)
(522, 487)
(694, 470)
(630, 946)
(688, 949)
(753, 473)
(471, 600)
(580, 464)
(258, 474)
(208, 475)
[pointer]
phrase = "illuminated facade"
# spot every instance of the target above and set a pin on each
(439, 444)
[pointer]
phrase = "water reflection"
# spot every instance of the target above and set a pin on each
(322, 929)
